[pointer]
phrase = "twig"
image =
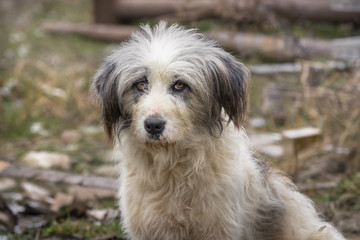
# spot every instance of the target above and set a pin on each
(103, 32)
(266, 69)
(316, 186)
(16, 171)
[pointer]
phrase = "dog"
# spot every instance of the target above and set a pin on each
(175, 103)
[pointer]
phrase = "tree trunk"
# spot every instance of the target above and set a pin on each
(104, 12)
(272, 47)
(94, 31)
(244, 44)
(325, 10)
(129, 10)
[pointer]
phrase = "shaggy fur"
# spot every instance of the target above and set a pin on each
(192, 176)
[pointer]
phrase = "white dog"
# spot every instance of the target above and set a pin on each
(175, 102)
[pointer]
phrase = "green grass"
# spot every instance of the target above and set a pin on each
(349, 185)
(69, 227)
(324, 30)
(108, 203)
(83, 228)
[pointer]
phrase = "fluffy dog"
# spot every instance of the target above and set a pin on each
(175, 103)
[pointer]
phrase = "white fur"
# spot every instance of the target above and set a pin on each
(190, 184)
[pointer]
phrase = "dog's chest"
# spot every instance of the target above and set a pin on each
(179, 204)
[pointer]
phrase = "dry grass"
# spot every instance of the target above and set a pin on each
(335, 105)
(44, 78)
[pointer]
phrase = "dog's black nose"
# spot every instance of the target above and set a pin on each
(154, 126)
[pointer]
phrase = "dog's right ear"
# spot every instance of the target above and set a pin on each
(105, 90)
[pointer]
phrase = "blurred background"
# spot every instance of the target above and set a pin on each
(56, 174)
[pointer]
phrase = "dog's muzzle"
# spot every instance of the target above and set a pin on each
(154, 126)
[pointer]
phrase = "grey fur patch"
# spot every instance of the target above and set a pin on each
(270, 220)
(263, 167)
(106, 85)
(269, 225)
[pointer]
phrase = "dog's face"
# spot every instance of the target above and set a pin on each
(168, 84)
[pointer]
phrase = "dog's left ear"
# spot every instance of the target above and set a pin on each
(231, 84)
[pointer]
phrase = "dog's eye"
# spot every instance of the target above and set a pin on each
(142, 85)
(179, 86)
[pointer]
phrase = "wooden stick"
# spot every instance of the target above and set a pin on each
(266, 69)
(316, 186)
(272, 47)
(104, 32)
(16, 171)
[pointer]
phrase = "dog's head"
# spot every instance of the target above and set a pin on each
(167, 84)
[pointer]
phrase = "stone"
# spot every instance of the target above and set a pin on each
(47, 160)
(36, 192)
